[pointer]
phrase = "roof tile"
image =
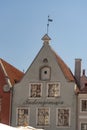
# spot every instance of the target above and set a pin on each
(13, 73)
(65, 69)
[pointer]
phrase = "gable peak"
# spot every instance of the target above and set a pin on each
(46, 39)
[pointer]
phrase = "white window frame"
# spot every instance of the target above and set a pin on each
(81, 105)
(57, 117)
(58, 89)
(32, 97)
(37, 117)
(28, 117)
(81, 124)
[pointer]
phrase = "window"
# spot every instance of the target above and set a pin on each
(35, 90)
(83, 126)
(43, 116)
(45, 60)
(63, 117)
(22, 116)
(84, 105)
(53, 89)
(45, 73)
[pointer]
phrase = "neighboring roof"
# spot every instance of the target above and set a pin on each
(65, 69)
(83, 82)
(13, 74)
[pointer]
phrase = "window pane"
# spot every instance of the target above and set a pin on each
(22, 119)
(63, 117)
(84, 126)
(53, 90)
(43, 116)
(35, 90)
(84, 105)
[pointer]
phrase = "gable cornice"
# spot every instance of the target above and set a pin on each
(6, 75)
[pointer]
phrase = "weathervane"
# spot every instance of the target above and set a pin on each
(49, 20)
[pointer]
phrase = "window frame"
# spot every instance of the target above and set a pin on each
(81, 107)
(82, 123)
(66, 108)
(37, 121)
(58, 90)
(28, 116)
(36, 97)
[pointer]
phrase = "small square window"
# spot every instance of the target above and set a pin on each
(35, 90)
(53, 89)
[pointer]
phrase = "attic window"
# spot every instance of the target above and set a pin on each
(45, 73)
(45, 60)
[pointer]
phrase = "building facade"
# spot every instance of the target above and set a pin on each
(9, 75)
(45, 97)
(82, 102)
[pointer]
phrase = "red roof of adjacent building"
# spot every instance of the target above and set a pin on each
(10, 72)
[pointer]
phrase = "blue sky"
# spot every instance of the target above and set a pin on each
(24, 22)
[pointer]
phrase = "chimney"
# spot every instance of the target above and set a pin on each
(78, 70)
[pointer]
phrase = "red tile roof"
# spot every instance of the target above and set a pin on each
(65, 69)
(12, 73)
